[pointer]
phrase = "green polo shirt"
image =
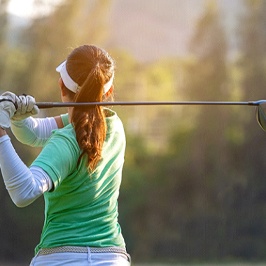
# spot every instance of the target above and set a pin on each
(82, 208)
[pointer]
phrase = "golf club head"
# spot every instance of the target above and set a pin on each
(261, 115)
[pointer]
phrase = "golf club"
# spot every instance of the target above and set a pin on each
(260, 106)
(43, 105)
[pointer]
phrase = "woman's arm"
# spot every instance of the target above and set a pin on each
(24, 184)
(27, 129)
(36, 131)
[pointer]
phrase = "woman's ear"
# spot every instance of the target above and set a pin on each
(60, 82)
(62, 87)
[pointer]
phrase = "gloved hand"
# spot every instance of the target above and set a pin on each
(26, 106)
(7, 109)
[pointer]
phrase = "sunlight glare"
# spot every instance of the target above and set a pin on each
(21, 8)
(27, 9)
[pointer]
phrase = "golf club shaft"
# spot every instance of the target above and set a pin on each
(43, 105)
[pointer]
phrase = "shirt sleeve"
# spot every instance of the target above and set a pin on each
(59, 157)
(65, 119)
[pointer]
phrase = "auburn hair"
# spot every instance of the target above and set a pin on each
(91, 68)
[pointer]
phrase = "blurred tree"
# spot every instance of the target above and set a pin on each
(3, 20)
(52, 37)
(3, 31)
(252, 44)
(179, 187)
(198, 170)
(154, 81)
(247, 199)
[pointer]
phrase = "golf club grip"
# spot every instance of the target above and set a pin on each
(44, 105)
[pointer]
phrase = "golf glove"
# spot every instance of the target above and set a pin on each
(26, 106)
(7, 109)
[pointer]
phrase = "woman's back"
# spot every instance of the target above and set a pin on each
(82, 208)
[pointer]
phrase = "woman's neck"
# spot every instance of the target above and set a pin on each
(70, 111)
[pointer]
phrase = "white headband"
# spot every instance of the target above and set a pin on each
(72, 85)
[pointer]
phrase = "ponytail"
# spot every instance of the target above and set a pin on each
(89, 121)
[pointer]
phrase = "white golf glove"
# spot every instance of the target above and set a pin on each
(26, 106)
(7, 109)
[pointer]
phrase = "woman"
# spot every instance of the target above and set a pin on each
(79, 169)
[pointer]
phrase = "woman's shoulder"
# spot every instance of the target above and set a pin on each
(67, 133)
(113, 121)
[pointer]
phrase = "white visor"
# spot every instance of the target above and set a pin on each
(107, 86)
(68, 81)
(72, 85)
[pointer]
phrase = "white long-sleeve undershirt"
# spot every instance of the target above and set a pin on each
(34, 131)
(24, 184)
